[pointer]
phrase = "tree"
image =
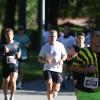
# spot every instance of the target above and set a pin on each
(52, 7)
(22, 13)
(9, 20)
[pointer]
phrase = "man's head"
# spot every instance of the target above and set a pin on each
(95, 41)
(9, 34)
(53, 36)
(21, 30)
(80, 38)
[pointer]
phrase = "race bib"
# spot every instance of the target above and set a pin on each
(90, 82)
(11, 59)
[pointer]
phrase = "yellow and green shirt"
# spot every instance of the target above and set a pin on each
(85, 58)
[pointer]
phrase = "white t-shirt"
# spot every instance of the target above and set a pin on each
(55, 51)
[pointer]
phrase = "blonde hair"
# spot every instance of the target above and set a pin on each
(53, 32)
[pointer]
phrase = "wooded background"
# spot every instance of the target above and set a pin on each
(14, 13)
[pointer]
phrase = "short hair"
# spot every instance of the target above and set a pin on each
(21, 28)
(53, 32)
(7, 30)
(80, 33)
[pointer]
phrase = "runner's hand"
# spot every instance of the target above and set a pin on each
(61, 62)
(6, 49)
(91, 69)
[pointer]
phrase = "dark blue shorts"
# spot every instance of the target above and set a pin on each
(6, 71)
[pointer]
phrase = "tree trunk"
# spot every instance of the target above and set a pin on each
(22, 13)
(52, 7)
(9, 20)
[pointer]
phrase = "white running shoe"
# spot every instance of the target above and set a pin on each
(55, 93)
(12, 98)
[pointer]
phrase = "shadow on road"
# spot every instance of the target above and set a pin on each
(39, 85)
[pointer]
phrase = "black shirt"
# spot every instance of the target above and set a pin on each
(9, 58)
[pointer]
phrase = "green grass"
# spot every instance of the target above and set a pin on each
(32, 69)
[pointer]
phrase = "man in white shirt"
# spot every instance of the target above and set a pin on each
(52, 55)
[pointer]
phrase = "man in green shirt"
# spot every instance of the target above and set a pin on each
(87, 63)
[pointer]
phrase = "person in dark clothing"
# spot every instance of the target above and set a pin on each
(10, 54)
(25, 43)
(80, 43)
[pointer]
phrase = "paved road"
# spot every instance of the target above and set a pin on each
(39, 85)
(30, 95)
(36, 90)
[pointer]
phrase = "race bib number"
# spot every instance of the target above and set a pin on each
(11, 59)
(90, 82)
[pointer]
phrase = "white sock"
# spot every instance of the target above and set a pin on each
(12, 97)
(55, 93)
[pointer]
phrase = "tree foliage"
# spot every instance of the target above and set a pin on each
(74, 8)
(2, 5)
(31, 14)
(63, 8)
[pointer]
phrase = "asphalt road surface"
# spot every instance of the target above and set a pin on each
(36, 90)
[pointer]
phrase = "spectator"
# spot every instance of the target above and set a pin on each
(25, 43)
(68, 41)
